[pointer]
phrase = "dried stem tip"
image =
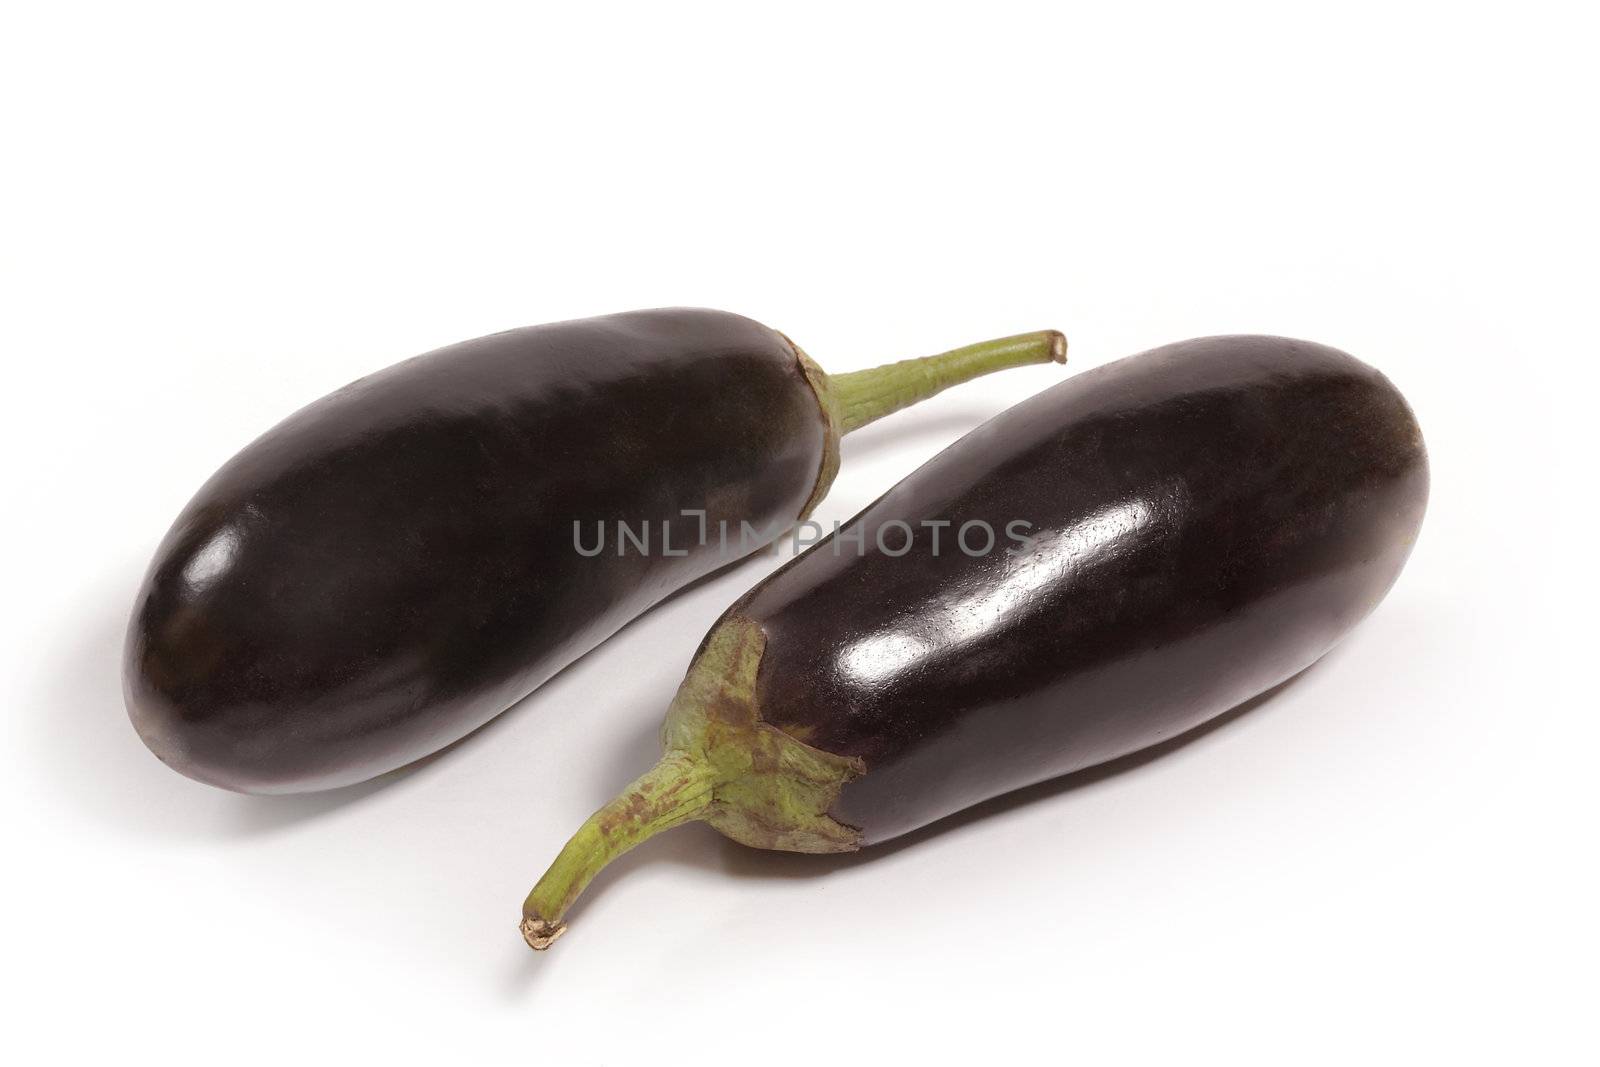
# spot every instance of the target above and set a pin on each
(539, 934)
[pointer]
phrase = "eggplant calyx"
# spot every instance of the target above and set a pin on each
(772, 791)
(724, 766)
(832, 426)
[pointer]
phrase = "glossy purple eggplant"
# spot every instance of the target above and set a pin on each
(394, 565)
(1119, 559)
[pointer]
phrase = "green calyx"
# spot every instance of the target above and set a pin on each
(723, 765)
(772, 790)
(832, 427)
(851, 401)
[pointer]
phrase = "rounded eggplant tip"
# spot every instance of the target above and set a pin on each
(540, 934)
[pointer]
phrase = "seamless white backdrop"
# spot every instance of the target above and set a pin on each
(215, 213)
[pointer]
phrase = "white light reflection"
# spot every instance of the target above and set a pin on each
(213, 558)
(877, 657)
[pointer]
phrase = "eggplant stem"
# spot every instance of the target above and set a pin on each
(865, 396)
(678, 789)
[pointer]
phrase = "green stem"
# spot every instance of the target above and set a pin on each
(675, 791)
(864, 396)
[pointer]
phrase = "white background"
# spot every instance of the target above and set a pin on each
(213, 215)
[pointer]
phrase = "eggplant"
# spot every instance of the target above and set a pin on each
(1101, 568)
(392, 566)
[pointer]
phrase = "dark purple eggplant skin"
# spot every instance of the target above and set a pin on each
(393, 565)
(1207, 519)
